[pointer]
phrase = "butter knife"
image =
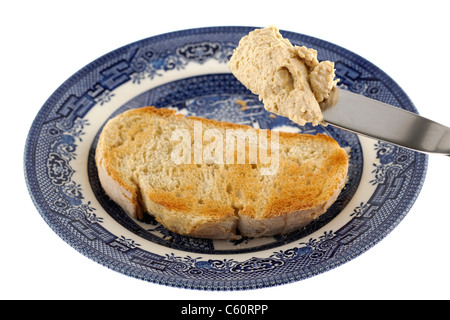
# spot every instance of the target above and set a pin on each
(381, 121)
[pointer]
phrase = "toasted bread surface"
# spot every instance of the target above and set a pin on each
(216, 199)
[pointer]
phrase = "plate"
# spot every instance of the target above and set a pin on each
(187, 71)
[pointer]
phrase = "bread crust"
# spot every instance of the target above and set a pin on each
(239, 203)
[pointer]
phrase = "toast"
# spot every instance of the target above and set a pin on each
(136, 158)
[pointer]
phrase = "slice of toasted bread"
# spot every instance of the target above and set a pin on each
(137, 163)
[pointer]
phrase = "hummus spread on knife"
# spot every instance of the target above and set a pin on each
(288, 79)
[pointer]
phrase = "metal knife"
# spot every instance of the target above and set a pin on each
(378, 120)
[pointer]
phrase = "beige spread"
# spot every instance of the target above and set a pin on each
(288, 79)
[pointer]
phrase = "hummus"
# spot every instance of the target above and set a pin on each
(288, 79)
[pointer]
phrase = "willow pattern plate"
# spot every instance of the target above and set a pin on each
(187, 71)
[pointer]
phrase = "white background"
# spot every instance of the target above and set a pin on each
(44, 42)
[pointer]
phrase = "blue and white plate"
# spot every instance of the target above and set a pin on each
(187, 71)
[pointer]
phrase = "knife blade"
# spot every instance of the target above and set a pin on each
(378, 120)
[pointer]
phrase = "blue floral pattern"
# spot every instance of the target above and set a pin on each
(59, 170)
